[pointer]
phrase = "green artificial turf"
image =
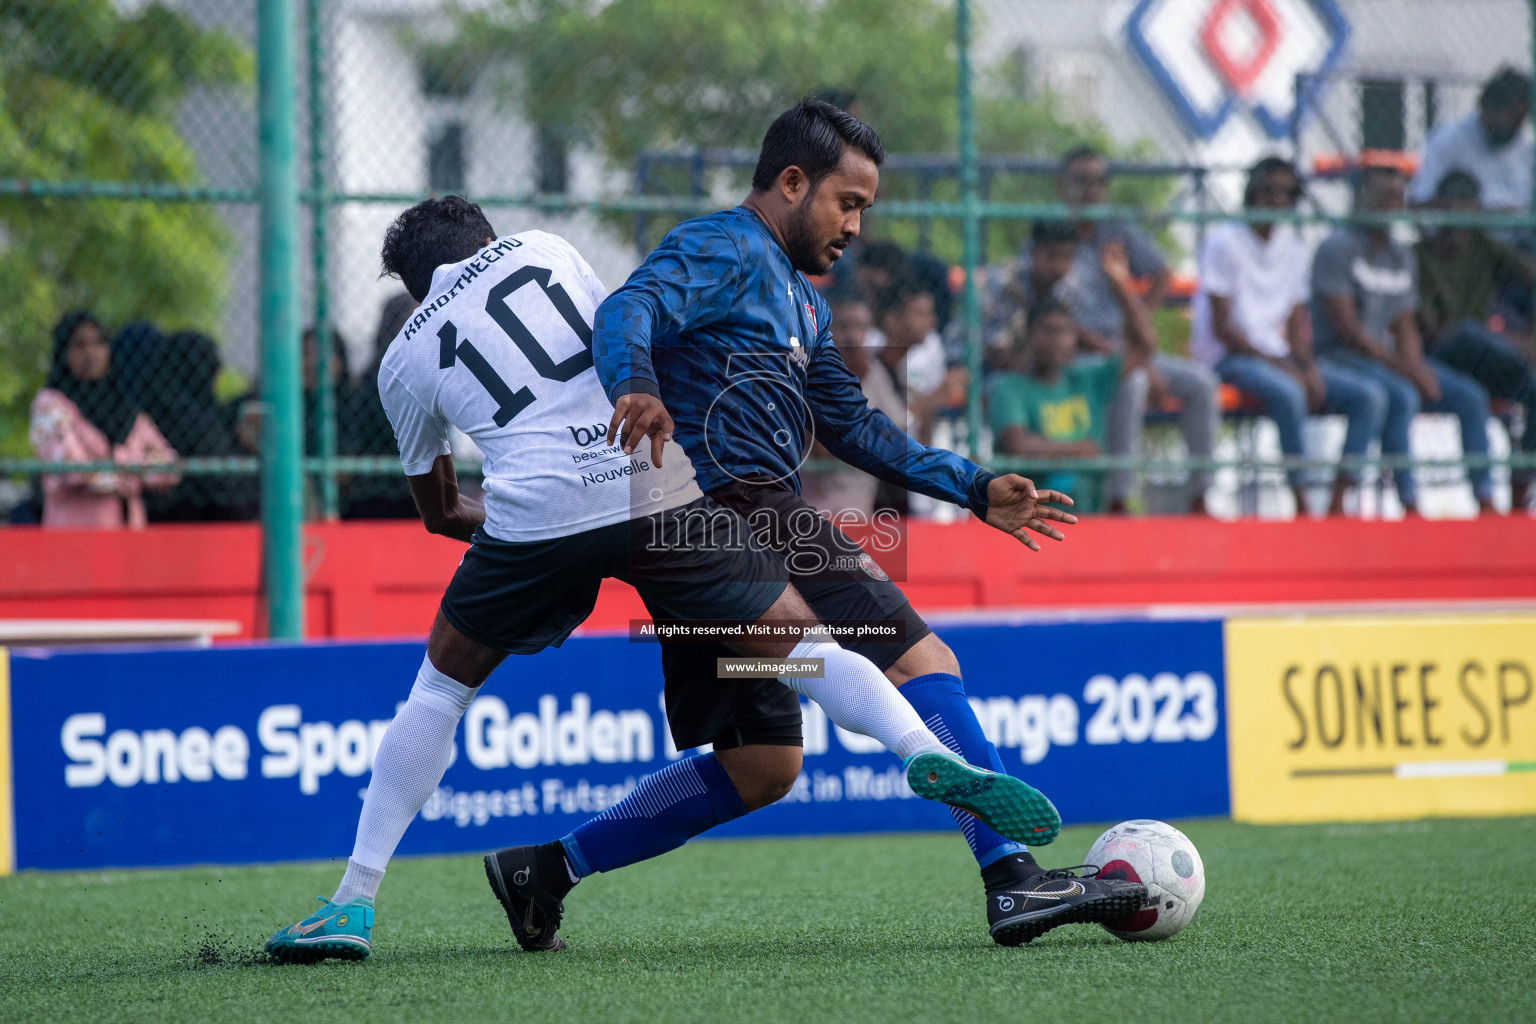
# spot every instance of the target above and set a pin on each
(1427, 921)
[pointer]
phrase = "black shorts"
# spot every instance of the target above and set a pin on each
(838, 580)
(522, 598)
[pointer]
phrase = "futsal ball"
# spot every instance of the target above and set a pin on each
(1161, 857)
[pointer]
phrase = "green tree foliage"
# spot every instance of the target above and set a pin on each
(89, 93)
(633, 75)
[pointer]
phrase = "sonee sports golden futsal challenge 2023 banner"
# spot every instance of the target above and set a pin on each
(1355, 718)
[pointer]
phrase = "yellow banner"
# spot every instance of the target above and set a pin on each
(1342, 718)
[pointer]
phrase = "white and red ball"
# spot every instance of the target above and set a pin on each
(1161, 857)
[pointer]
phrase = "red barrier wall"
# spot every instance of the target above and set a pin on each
(384, 579)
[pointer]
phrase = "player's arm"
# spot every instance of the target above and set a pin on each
(867, 439)
(444, 510)
(427, 458)
(689, 280)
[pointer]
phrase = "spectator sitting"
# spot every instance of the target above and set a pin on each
(1014, 288)
(84, 413)
(1056, 406)
(875, 262)
(841, 490)
(1364, 294)
(904, 314)
(1490, 144)
(179, 396)
(1461, 273)
(1250, 326)
(1100, 309)
(250, 408)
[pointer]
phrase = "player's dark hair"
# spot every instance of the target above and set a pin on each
(812, 135)
(1505, 89)
(431, 234)
(1050, 232)
(902, 289)
(1459, 184)
(1267, 166)
(1043, 307)
(1079, 153)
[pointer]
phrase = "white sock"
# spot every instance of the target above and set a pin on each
(359, 880)
(857, 696)
(412, 758)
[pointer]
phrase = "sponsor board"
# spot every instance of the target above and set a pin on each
(1381, 718)
(262, 753)
(7, 819)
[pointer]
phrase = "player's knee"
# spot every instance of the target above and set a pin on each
(770, 789)
(928, 656)
(762, 774)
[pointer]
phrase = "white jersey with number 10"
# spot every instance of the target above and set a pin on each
(501, 348)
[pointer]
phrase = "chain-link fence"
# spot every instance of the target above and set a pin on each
(129, 186)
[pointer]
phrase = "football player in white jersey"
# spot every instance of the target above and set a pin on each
(500, 347)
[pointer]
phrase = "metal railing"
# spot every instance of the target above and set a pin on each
(294, 179)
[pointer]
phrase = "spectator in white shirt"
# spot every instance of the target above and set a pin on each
(913, 354)
(1250, 325)
(1491, 144)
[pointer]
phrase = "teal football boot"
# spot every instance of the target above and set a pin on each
(341, 930)
(1008, 806)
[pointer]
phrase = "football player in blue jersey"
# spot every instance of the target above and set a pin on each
(720, 341)
(476, 355)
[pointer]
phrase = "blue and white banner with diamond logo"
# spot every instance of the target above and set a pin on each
(1215, 58)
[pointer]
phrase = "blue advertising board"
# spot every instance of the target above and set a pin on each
(262, 753)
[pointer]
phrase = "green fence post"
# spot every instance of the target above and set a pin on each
(970, 224)
(320, 205)
(282, 482)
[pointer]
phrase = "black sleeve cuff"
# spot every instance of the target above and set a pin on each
(976, 498)
(635, 386)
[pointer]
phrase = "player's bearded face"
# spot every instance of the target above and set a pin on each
(806, 241)
(826, 219)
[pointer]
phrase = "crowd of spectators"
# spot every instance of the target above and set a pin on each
(1367, 327)
(1371, 327)
(141, 397)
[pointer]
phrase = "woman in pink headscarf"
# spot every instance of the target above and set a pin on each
(85, 414)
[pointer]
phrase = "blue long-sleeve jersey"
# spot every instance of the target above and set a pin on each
(720, 325)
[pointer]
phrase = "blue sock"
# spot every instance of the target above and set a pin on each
(939, 699)
(665, 810)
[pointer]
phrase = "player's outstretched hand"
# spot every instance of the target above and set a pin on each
(642, 416)
(1016, 508)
